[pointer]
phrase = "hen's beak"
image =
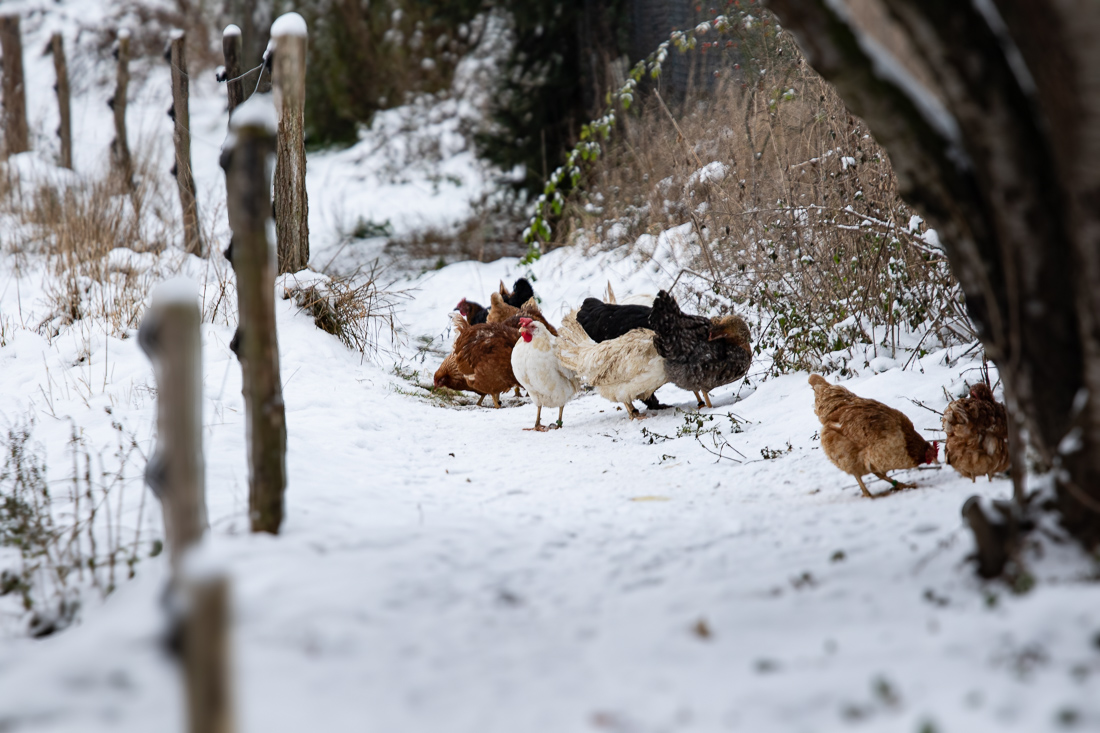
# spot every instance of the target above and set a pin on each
(712, 335)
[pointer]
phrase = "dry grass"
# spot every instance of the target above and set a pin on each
(358, 309)
(792, 209)
(76, 226)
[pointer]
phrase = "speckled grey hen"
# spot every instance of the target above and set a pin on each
(700, 353)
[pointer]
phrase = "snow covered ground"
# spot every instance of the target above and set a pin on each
(440, 568)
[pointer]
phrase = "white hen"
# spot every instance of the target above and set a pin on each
(537, 367)
(622, 369)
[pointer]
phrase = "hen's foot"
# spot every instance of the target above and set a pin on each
(652, 403)
(538, 428)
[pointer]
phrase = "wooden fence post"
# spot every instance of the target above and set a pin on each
(288, 35)
(169, 335)
(65, 129)
(205, 651)
(245, 159)
(177, 57)
(231, 49)
(120, 147)
(16, 135)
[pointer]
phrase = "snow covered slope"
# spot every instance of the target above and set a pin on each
(441, 569)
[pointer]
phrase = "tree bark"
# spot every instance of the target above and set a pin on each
(291, 203)
(185, 180)
(205, 647)
(248, 182)
(16, 134)
(65, 128)
(1010, 181)
(120, 146)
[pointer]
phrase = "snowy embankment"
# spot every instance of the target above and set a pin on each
(442, 569)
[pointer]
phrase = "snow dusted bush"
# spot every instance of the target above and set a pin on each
(789, 207)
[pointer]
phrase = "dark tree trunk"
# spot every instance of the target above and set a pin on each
(1008, 172)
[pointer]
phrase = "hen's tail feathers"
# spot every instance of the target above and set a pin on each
(459, 322)
(610, 294)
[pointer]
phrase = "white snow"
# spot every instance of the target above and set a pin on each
(231, 30)
(257, 111)
(176, 291)
(289, 24)
(441, 569)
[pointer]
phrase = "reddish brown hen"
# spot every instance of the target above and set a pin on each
(448, 375)
(483, 356)
(977, 434)
(862, 436)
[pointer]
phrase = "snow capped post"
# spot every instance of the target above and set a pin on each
(169, 336)
(16, 136)
(65, 129)
(231, 50)
(177, 57)
(289, 38)
(120, 146)
(245, 159)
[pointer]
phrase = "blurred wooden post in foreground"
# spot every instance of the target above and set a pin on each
(16, 135)
(170, 336)
(177, 57)
(65, 129)
(245, 159)
(289, 39)
(120, 146)
(231, 50)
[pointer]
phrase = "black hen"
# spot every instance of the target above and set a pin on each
(700, 353)
(605, 321)
(473, 312)
(521, 293)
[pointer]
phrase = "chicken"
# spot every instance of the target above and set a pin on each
(473, 312)
(537, 366)
(862, 436)
(622, 369)
(530, 310)
(977, 434)
(449, 376)
(604, 321)
(483, 356)
(700, 353)
(521, 292)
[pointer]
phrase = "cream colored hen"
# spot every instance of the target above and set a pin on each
(537, 367)
(622, 370)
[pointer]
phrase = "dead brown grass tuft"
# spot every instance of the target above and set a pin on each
(786, 205)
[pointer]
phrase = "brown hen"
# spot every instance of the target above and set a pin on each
(862, 436)
(449, 376)
(977, 434)
(483, 356)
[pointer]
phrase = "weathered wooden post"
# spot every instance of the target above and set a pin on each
(185, 181)
(16, 136)
(120, 147)
(65, 129)
(231, 49)
(289, 38)
(170, 336)
(246, 161)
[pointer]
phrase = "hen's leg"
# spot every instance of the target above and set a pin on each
(496, 401)
(895, 484)
(538, 422)
(868, 494)
(561, 411)
(632, 411)
(517, 391)
(706, 396)
(480, 400)
(698, 399)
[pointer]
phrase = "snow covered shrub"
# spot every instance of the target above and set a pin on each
(65, 543)
(357, 309)
(785, 206)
